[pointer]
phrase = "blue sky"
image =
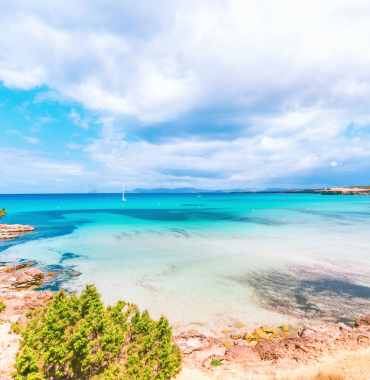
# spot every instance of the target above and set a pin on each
(214, 94)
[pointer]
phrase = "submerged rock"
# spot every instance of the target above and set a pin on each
(259, 333)
(236, 336)
(285, 328)
(269, 330)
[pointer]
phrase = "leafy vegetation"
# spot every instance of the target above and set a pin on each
(76, 337)
(216, 362)
(2, 212)
(2, 306)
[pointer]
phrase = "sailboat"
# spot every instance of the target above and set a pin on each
(123, 193)
(199, 195)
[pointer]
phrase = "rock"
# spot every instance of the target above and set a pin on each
(227, 343)
(284, 335)
(259, 333)
(51, 274)
(75, 273)
(16, 267)
(15, 228)
(363, 321)
(33, 272)
(285, 328)
(248, 337)
(269, 330)
(225, 331)
(241, 342)
(239, 325)
(344, 327)
(327, 331)
(241, 351)
(14, 318)
(236, 336)
(198, 347)
(6, 230)
(192, 331)
(6, 236)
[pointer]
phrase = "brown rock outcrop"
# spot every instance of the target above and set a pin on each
(311, 343)
(7, 230)
(363, 321)
(15, 228)
(198, 347)
(20, 280)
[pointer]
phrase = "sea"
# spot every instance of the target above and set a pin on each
(208, 262)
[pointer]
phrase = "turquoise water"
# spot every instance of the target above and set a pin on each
(208, 262)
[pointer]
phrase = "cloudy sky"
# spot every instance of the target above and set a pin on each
(214, 94)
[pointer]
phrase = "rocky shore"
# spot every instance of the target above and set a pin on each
(263, 353)
(362, 190)
(16, 284)
(9, 231)
(268, 357)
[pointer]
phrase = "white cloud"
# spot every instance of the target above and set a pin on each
(302, 150)
(25, 171)
(292, 75)
(32, 140)
(172, 57)
(77, 119)
(73, 145)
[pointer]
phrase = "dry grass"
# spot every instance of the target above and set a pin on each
(326, 376)
(319, 376)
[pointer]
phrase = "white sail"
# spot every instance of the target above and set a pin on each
(123, 193)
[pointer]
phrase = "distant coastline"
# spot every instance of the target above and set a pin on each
(355, 190)
(351, 190)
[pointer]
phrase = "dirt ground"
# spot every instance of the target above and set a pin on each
(9, 345)
(350, 364)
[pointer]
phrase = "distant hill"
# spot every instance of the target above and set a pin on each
(185, 190)
(276, 189)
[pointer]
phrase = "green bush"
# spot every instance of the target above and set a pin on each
(76, 337)
(16, 327)
(2, 306)
(2, 212)
(216, 362)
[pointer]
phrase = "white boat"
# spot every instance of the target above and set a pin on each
(123, 193)
(199, 195)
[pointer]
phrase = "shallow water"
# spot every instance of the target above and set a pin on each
(210, 261)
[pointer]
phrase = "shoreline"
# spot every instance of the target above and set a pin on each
(263, 353)
(365, 190)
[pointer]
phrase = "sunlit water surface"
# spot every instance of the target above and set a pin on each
(208, 261)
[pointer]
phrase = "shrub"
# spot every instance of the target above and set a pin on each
(2, 212)
(2, 306)
(16, 327)
(216, 362)
(76, 337)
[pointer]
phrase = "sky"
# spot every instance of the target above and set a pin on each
(212, 94)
